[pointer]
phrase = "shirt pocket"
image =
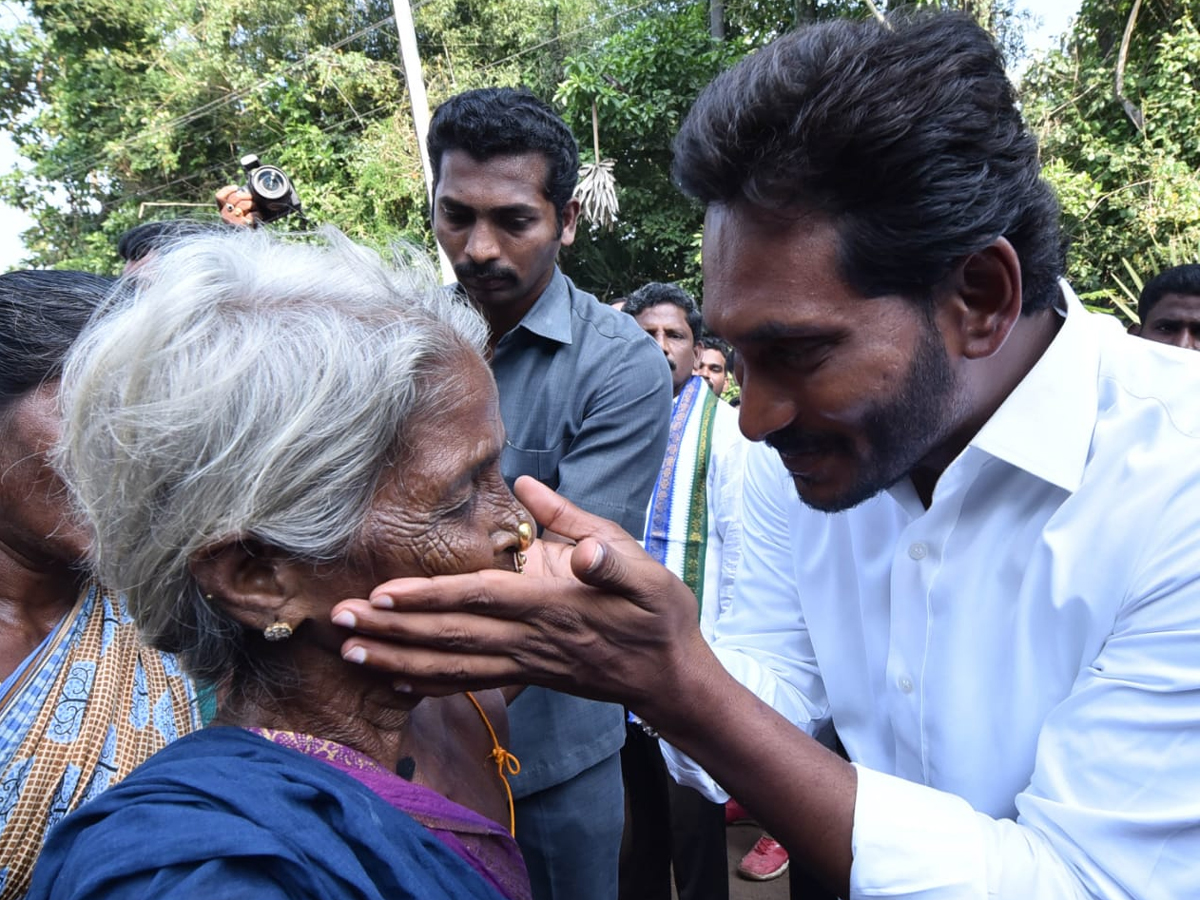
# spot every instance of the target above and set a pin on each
(541, 464)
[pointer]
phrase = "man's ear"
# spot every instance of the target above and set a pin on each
(253, 583)
(1135, 329)
(985, 300)
(697, 356)
(570, 221)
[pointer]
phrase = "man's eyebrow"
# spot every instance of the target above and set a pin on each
(777, 331)
(524, 209)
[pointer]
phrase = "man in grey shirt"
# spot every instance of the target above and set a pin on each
(585, 397)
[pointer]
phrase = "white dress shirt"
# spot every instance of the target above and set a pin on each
(723, 497)
(1016, 670)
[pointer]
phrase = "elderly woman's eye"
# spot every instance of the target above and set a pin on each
(463, 505)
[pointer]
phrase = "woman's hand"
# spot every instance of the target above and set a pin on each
(597, 618)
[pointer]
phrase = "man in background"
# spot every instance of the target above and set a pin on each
(1169, 308)
(585, 399)
(712, 363)
(693, 528)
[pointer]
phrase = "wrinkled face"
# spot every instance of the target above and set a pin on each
(668, 325)
(444, 509)
(441, 508)
(1174, 320)
(853, 392)
(37, 523)
(498, 229)
(711, 368)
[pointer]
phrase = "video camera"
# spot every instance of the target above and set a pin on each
(273, 192)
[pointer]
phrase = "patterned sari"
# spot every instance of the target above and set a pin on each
(88, 707)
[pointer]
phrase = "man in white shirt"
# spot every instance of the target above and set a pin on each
(992, 585)
(694, 528)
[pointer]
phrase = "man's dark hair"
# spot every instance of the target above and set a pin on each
(1175, 280)
(41, 315)
(712, 342)
(490, 122)
(141, 240)
(905, 136)
(656, 293)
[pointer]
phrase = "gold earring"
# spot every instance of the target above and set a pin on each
(524, 542)
(524, 536)
(279, 631)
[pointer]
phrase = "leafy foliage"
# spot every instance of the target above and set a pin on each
(1130, 194)
(123, 104)
(642, 82)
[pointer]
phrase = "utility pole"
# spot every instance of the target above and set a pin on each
(716, 19)
(420, 107)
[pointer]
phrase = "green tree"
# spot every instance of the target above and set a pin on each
(122, 103)
(144, 102)
(1119, 140)
(642, 81)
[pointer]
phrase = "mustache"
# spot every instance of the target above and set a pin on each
(796, 442)
(471, 271)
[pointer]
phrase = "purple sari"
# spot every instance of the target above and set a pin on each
(485, 845)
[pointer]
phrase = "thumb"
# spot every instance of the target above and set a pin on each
(597, 564)
(557, 514)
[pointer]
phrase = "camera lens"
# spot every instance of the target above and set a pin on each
(270, 183)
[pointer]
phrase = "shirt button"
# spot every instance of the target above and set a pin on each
(905, 683)
(918, 551)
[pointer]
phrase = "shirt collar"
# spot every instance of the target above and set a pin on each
(550, 315)
(1045, 425)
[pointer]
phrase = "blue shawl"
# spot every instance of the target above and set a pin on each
(225, 813)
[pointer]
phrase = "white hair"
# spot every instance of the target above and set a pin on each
(248, 387)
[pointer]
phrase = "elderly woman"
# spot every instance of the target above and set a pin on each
(81, 700)
(259, 430)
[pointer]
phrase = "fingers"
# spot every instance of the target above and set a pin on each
(490, 592)
(605, 556)
(429, 672)
(441, 652)
(430, 653)
(236, 206)
(561, 516)
(456, 632)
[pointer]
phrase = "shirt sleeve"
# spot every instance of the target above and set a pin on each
(761, 639)
(615, 457)
(1112, 809)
